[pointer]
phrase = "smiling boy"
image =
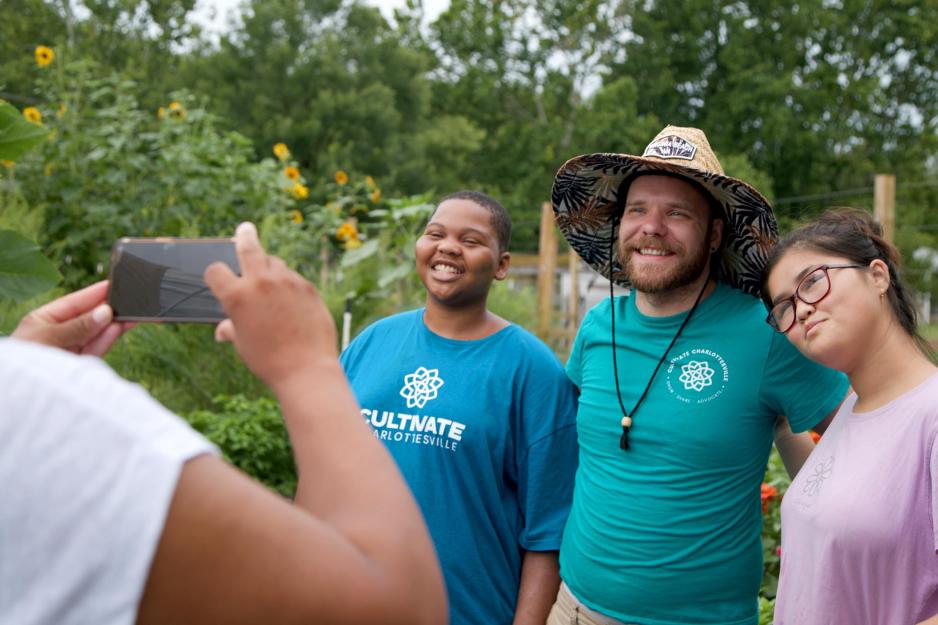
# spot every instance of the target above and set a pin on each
(480, 418)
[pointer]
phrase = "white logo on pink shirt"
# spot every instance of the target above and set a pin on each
(822, 471)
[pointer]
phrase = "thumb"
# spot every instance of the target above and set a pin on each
(225, 332)
(80, 330)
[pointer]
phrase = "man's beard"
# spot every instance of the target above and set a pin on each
(685, 273)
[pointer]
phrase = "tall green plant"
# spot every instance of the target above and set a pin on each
(356, 245)
(115, 169)
(24, 271)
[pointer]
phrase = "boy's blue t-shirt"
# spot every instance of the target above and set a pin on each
(669, 532)
(484, 432)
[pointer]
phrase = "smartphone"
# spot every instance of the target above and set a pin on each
(161, 279)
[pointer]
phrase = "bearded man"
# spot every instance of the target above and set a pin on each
(681, 386)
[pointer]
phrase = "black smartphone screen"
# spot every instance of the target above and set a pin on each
(161, 279)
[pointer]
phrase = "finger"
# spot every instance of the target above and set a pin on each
(251, 256)
(77, 332)
(219, 278)
(277, 264)
(74, 304)
(99, 345)
(225, 332)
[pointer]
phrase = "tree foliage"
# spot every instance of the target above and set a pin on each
(816, 96)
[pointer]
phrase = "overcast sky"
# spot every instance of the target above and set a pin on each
(213, 14)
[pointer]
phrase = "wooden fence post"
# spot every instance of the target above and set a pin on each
(546, 270)
(884, 204)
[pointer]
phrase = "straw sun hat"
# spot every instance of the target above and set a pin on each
(586, 202)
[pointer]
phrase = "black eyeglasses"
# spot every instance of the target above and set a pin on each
(812, 289)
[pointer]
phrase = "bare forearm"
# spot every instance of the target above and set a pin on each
(348, 479)
(319, 410)
(540, 580)
(354, 548)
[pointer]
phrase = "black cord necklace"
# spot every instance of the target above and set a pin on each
(626, 416)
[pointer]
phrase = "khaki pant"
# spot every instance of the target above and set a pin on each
(568, 610)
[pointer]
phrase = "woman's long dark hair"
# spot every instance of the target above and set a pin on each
(853, 234)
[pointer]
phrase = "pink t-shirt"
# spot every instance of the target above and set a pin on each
(859, 532)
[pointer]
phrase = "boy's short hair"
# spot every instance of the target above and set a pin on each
(500, 220)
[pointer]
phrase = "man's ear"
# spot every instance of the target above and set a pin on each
(501, 272)
(716, 235)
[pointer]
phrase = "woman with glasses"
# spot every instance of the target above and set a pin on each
(860, 520)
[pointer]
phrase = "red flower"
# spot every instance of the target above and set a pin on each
(769, 494)
(815, 436)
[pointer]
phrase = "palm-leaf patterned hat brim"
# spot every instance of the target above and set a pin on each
(584, 199)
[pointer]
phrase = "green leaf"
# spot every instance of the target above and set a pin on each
(24, 271)
(414, 210)
(96, 154)
(353, 257)
(16, 134)
(394, 274)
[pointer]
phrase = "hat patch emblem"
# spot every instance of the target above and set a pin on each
(671, 146)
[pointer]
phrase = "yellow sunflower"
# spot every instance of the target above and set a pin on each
(177, 110)
(44, 55)
(370, 182)
(281, 151)
(161, 113)
(300, 191)
(7, 164)
(292, 173)
(296, 217)
(346, 232)
(31, 113)
(341, 178)
(376, 196)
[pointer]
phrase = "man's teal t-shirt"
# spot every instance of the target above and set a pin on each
(669, 532)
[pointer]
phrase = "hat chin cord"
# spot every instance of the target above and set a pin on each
(627, 418)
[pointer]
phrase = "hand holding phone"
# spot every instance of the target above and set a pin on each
(162, 279)
(79, 322)
(277, 320)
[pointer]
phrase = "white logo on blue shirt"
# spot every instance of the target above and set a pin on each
(421, 386)
(697, 375)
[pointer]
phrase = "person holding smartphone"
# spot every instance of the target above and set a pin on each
(115, 511)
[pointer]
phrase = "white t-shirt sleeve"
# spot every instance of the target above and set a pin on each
(88, 465)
